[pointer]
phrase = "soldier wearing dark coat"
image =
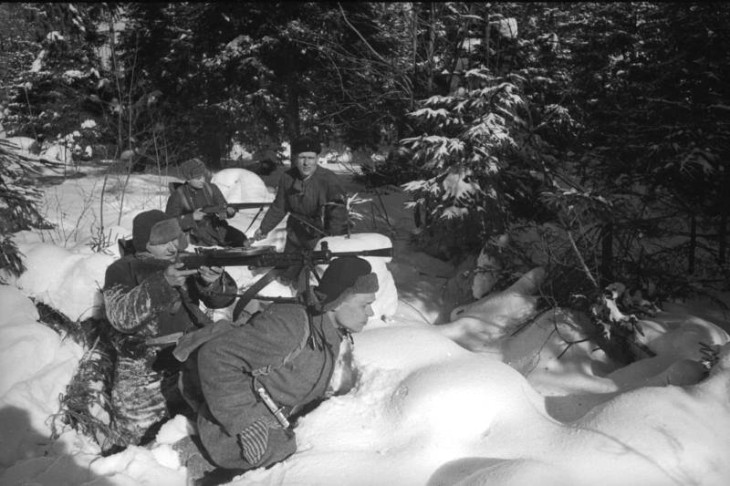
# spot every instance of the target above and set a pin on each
(284, 356)
(151, 301)
(187, 201)
(312, 197)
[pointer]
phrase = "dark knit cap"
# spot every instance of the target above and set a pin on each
(305, 144)
(142, 225)
(190, 169)
(345, 276)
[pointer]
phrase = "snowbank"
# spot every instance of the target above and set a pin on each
(479, 400)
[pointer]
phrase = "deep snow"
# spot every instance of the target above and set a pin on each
(425, 410)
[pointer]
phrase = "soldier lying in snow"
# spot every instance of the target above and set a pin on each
(258, 377)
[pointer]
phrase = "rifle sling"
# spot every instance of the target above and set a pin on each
(254, 289)
(261, 209)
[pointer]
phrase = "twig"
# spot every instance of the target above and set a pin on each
(581, 260)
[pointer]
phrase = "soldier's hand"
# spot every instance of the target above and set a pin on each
(258, 235)
(230, 212)
(210, 274)
(198, 214)
(176, 275)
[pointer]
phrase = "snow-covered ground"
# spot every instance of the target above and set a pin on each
(524, 410)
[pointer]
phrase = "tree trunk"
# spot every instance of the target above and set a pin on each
(431, 44)
(692, 243)
(414, 7)
(723, 228)
(607, 255)
(292, 109)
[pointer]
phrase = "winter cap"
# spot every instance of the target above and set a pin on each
(193, 168)
(144, 229)
(305, 144)
(345, 276)
(165, 231)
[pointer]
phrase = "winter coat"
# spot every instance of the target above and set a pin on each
(291, 356)
(306, 202)
(140, 304)
(209, 231)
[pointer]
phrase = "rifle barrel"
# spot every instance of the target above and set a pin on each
(379, 252)
(245, 205)
(249, 205)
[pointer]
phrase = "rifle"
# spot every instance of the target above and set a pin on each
(265, 256)
(247, 205)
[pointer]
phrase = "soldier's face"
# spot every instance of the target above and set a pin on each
(353, 313)
(307, 163)
(197, 182)
(165, 251)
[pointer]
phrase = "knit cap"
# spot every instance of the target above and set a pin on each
(345, 276)
(193, 168)
(305, 144)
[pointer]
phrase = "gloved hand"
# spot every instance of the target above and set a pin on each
(258, 235)
(176, 275)
(254, 439)
(198, 214)
(210, 274)
(231, 212)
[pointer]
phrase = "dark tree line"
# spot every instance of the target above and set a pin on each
(603, 127)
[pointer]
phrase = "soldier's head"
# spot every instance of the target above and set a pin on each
(159, 234)
(346, 292)
(305, 153)
(194, 172)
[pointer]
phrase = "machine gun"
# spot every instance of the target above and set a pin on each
(265, 256)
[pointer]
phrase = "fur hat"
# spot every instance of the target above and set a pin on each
(190, 169)
(155, 226)
(165, 231)
(345, 276)
(305, 144)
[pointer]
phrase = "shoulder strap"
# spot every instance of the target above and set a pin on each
(184, 198)
(208, 193)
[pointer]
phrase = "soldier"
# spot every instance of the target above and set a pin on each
(311, 195)
(153, 304)
(258, 378)
(314, 200)
(188, 200)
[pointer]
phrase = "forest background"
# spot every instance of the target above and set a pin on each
(600, 129)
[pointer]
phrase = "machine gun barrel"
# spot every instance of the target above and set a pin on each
(267, 257)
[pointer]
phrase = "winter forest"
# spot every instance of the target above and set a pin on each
(549, 176)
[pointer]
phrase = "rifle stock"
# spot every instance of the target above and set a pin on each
(269, 258)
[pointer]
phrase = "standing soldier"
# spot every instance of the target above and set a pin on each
(312, 197)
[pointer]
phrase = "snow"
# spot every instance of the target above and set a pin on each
(469, 397)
